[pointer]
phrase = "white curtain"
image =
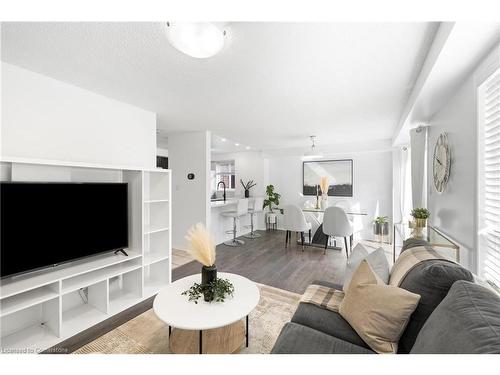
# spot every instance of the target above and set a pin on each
(406, 191)
(402, 200)
(418, 141)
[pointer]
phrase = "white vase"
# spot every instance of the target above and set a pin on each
(324, 201)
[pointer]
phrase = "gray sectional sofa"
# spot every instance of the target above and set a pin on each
(454, 315)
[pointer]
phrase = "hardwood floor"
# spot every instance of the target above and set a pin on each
(265, 260)
(180, 257)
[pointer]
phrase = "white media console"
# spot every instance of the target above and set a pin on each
(40, 309)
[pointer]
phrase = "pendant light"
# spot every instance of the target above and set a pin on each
(312, 153)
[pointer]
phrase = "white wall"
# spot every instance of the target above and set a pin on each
(189, 153)
(43, 118)
(453, 211)
(372, 185)
(161, 152)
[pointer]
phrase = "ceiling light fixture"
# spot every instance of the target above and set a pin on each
(223, 139)
(248, 147)
(312, 153)
(236, 144)
(196, 39)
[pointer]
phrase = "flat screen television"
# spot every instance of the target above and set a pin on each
(46, 224)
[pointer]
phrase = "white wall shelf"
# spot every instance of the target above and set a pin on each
(42, 308)
(153, 257)
(155, 230)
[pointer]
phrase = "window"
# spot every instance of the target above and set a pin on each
(222, 171)
(489, 179)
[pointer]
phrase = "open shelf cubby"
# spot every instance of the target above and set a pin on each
(157, 186)
(156, 217)
(156, 275)
(156, 247)
(27, 299)
(124, 290)
(84, 307)
(40, 309)
(31, 328)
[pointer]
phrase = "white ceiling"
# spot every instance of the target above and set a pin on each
(272, 86)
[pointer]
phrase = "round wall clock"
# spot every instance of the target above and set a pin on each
(441, 162)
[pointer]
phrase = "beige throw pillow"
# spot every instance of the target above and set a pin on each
(379, 313)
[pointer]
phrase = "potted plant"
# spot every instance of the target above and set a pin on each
(250, 184)
(202, 248)
(381, 226)
(420, 215)
(272, 198)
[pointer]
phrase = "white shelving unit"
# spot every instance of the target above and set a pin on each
(40, 309)
(157, 231)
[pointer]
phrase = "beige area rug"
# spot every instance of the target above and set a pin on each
(146, 334)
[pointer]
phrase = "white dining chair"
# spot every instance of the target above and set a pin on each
(257, 207)
(344, 204)
(337, 224)
(241, 210)
(295, 221)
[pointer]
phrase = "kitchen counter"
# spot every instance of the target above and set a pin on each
(217, 204)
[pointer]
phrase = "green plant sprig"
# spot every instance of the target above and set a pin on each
(420, 213)
(272, 198)
(217, 291)
(381, 219)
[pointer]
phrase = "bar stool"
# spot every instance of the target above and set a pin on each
(241, 210)
(257, 207)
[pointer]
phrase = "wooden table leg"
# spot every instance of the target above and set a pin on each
(224, 340)
(201, 343)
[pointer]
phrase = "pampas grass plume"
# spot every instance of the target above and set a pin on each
(324, 185)
(201, 245)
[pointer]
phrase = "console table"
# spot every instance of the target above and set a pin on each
(428, 233)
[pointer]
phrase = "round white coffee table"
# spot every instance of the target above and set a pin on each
(176, 311)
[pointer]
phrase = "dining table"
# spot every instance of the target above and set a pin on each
(315, 216)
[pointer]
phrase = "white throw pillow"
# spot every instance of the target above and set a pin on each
(357, 255)
(376, 259)
(379, 264)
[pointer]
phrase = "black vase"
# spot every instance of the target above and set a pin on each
(208, 275)
(247, 193)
